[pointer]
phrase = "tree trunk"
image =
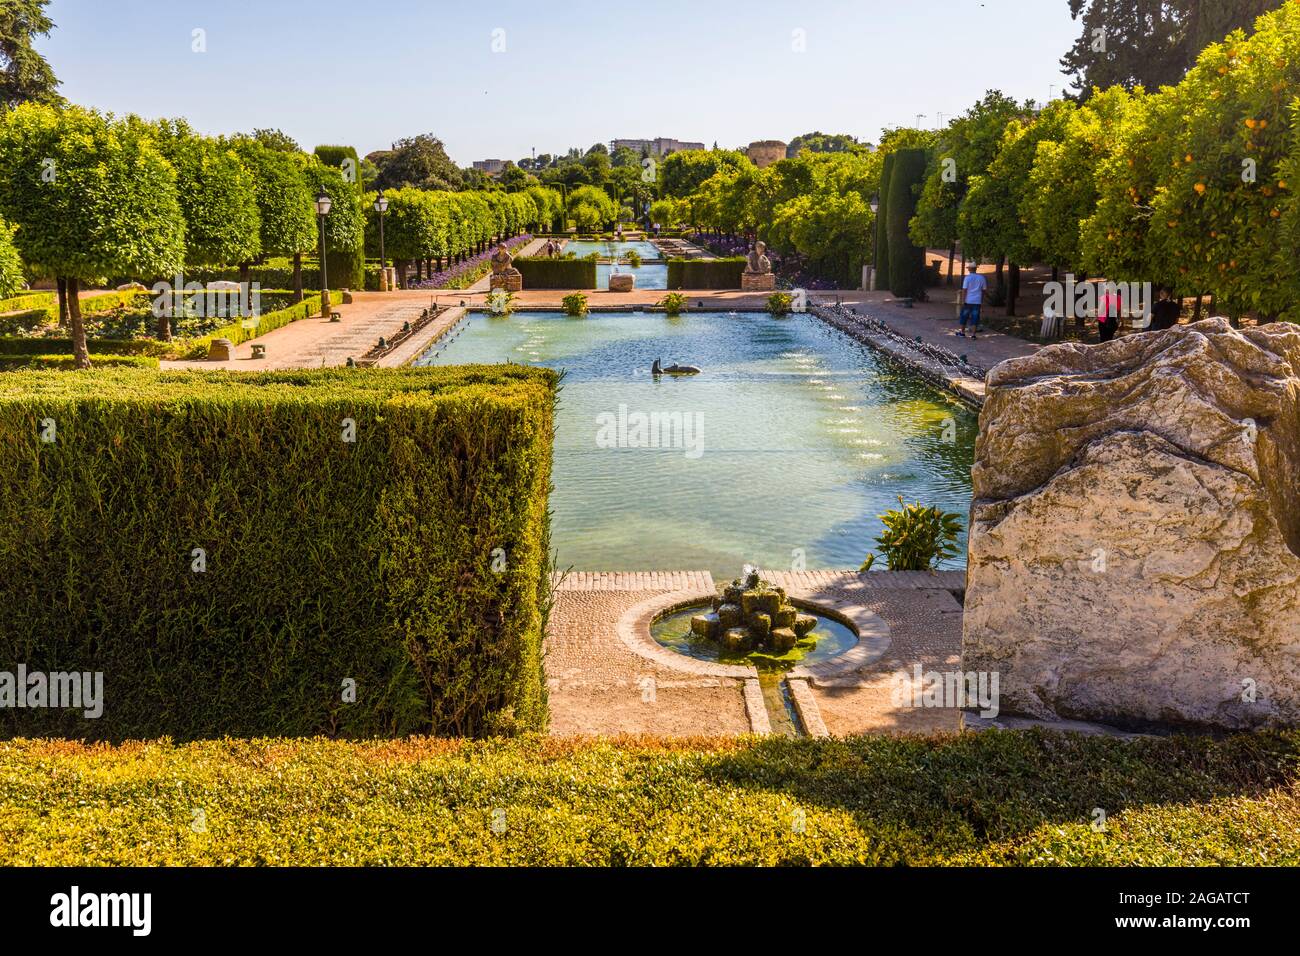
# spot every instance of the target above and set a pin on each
(952, 254)
(80, 353)
(1013, 290)
(401, 272)
(1200, 297)
(297, 277)
(1056, 273)
(1000, 280)
(419, 270)
(244, 273)
(62, 285)
(163, 327)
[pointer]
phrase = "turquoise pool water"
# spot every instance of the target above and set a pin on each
(608, 249)
(783, 451)
(649, 275)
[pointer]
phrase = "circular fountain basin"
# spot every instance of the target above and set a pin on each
(828, 639)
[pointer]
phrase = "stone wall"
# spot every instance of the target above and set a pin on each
(1135, 530)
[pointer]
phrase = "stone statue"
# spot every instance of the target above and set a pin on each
(757, 276)
(504, 274)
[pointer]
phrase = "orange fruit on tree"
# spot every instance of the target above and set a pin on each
(1200, 188)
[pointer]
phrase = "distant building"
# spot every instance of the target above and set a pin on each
(492, 167)
(661, 146)
(765, 152)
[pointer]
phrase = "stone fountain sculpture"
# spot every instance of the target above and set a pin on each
(758, 276)
(504, 275)
(752, 614)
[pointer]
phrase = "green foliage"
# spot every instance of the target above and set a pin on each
(217, 196)
(683, 172)
(67, 362)
(28, 345)
(545, 273)
(995, 798)
(26, 76)
(778, 303)
(591, 208)
(575, 303)
(705, 273)
(412, 562)
(24, 301)
(286, 208)
(11, 265)
(105, 205)
(916, 538)
(674, 303)
(345, 225)
(906, 261)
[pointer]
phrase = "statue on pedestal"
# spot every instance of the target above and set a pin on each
(504, 274)
(758, 276)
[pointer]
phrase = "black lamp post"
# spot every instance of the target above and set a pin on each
(323, 204)
(381, 207)
(875, 252)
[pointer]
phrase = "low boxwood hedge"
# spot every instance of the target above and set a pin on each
(992, 798)
(545, 273)
(65, 361)
(404, 569)
(705, 273)
(25, 301)
(29, 345)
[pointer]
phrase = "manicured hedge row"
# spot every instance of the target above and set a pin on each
(544, 273)
(9, 362)
(705, 273)
(407, 567)
(237, 332)
(1019, 798)
(26, 301)
(27, 345)
(278, 274)
(46, 311)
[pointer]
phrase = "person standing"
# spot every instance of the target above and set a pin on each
(973, 288)
(1166, 311)
(1108, 312)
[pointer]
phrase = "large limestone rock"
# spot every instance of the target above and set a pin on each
(1135, 530)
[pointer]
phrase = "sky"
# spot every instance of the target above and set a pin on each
(498, 79)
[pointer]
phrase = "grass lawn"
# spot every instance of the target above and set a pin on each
(990, 798)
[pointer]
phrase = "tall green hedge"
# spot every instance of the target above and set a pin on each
(705, 273)
(545, 273)
(906, 260)
(411, 561)
(882, 217)
(346, 268)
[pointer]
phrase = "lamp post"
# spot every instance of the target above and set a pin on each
(323, 204)
(381, 207)
(875, 251)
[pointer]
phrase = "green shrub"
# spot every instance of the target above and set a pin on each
(411, 561)
(544, 273)
(68, 361)
(916, 538)
(779, 303)
(674, 303)
(575, 303)
(974, 799)
(705, 273)
(29, 345)
(26, 301)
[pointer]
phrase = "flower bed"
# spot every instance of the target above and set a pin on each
(466, 273)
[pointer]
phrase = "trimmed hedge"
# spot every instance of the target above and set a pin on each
(705, 273)
(46, 311)
(540, 272)
(28, 345)
(28, 301)
(236, 332)
(9, 362)
(906, 260)
(411, 561)
(976, 799)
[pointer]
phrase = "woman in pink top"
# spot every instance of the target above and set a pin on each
(1108, 312)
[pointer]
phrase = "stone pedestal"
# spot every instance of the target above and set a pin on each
(1135, 530)
(757, 282)
(325, 304)
(221, 350)
(511, 281)
(621, 282)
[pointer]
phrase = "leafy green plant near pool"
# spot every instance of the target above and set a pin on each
(674, 303)
(916, 537)
(500, 302)
(632, 258)
(575, 303)
(779, 303)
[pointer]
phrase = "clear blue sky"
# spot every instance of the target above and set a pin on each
(571, 73)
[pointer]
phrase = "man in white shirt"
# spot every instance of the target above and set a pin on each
(973, 287)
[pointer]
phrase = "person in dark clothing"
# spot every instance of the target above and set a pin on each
(1165, 312)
